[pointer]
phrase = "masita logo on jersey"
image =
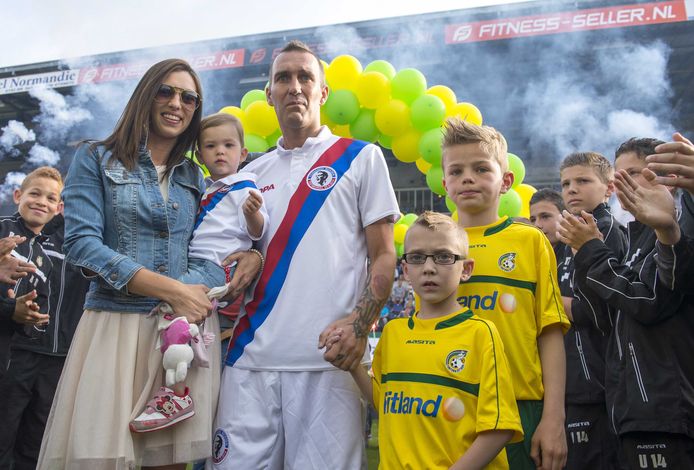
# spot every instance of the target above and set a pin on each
(321, 178)
(507, 302)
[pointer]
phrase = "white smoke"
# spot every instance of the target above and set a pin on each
(57, 115)
(42, 156)
(13, 180)
(13, 134)
(624, 93)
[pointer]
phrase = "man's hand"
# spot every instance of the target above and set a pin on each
(12, 269)
(26, 311)
(676, 160)
(576, 231)
(247, 267)
(345, 353)
(548, 447)
(651, 205)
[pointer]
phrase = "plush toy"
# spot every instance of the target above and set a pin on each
(176, 347)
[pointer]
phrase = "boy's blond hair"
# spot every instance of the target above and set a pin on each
(440, 223)
(460, 132)
(42, 172)
(600, 165)
(219, 119)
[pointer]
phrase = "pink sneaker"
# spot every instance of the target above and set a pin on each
(163, 410)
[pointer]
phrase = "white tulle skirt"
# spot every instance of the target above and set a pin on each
(111, 371)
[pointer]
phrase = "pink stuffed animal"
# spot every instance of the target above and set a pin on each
(175, 345)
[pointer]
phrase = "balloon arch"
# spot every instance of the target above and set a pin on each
(393, 108)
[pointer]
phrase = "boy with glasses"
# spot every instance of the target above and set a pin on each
(441, 381)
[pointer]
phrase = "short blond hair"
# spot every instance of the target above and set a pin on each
(438, 222)
(600, 165)
(42, 172)
(459, 132)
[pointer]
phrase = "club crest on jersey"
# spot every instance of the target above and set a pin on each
(220, 446)
(507, 262)
(455, 361)
(321, 178)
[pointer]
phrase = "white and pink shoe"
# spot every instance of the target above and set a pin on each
(163, 410)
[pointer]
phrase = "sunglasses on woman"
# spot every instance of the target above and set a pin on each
(189, 99)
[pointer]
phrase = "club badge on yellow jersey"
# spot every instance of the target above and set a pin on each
(455, 361)
(507, 262)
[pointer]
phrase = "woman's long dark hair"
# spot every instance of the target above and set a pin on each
(133, 125)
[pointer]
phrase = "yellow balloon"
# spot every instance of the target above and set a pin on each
(260, 119)
(343, 72)
(446, 95)
(422, 165)
(525, 191)
(405, 146)
(373, 89)
(342, 131)
(393, 118)
(399, 231)
(235, 111)
(454, 216)
(468, 112)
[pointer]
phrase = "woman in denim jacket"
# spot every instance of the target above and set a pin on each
(130, 205)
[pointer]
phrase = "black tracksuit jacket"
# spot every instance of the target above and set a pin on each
(31, 250)
(650, 372)
(68, 287)
(586, 341)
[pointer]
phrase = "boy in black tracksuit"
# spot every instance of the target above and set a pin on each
(38, 362)
(650, 376)
(29, 381)
(587, 179)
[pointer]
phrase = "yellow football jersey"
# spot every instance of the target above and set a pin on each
(514, 284)
(437, 384)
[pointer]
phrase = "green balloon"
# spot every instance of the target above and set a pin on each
(385, 141)
(510, 204)
(516, 166)
(342, 106)
(251, 97)
(407, 85)
(255, 143)
(381, 66)
(408, 219)
(430, 146)
(435, 180)
(364, 126)
(427, 112)
(274, 137)
(399, 250)
(450, 205)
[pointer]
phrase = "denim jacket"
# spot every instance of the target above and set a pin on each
(117, 222)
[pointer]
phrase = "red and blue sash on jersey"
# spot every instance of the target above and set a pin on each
(302, 209)
(211, 200)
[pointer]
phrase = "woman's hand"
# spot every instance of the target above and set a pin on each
(191, 301)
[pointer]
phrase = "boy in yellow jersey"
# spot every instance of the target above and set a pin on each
(441, 383)
(514, 285)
